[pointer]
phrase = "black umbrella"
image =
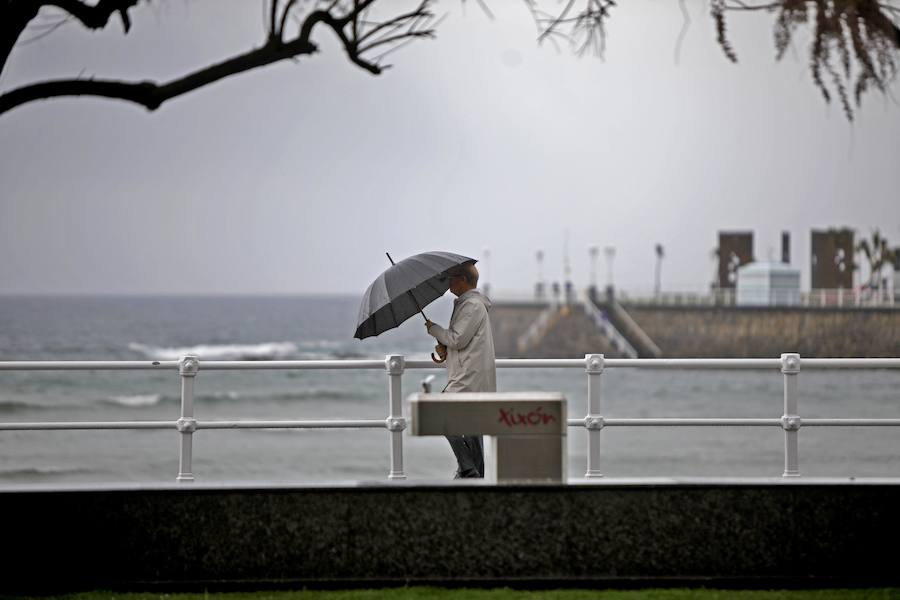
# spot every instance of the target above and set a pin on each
(404, 289)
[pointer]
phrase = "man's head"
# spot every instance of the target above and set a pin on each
(462, 279)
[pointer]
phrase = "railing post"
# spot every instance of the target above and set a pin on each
(187, 424)
(395, 423)
(593, 422)
(790, 420)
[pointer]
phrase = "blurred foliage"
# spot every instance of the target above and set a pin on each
(853, 49)
(854, 43)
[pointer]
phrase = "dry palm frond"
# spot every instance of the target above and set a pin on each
(854, 44)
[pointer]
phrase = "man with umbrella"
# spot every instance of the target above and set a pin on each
(468, 347)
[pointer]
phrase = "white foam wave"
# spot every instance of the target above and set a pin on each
(326, 344)
(51, 470)
(136, 400)
(226, 395)
(267, 350)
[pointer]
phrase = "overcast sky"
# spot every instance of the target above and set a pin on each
(298, 177)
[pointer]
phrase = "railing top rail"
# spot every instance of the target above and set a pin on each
(850, 363)
(87, 365)
(100, 425)
(224, 365)
(694, 363)
(503, 363)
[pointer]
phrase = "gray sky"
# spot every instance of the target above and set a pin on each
(298, 177)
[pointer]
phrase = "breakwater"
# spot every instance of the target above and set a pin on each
(710, 331)
(763, 533)
(758, 332)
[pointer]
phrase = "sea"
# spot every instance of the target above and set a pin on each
(322, 327)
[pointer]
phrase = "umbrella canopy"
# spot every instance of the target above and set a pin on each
(404, 290)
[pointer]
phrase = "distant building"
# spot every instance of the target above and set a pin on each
(832, 259)
(735, 249)
(767, 284)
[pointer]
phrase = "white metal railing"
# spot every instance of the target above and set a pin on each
(394, 365)
(817, 298)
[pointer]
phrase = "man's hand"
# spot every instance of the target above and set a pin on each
(442, 353)
(428, 325)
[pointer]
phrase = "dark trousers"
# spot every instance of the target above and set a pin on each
(469, 452)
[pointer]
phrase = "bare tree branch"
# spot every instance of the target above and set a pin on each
(686, 23)
(95, 16)
(15, 15)
(854, 44)
(47, 30)
(14, 18)
(151, 95)
(273, 19)
(585, 27)
(288, 6)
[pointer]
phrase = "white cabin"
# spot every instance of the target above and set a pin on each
(767, 284)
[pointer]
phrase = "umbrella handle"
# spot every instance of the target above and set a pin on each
(435, 359)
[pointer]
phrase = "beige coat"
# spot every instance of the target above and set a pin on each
(470, 345)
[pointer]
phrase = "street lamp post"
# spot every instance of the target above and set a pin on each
(539, 286)
(659, 256)
(610, 253)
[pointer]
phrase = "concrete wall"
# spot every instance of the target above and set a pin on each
(579, 535)
(767, 332)
(572, 328)
(508, 322)
(719, 332)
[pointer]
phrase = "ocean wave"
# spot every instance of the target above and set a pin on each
(264, 351)
(321, 344)
(11, 406)
(274, 396)
(149, 400)
(313, 394)
(51, 471)
(304, 350)
(135, 401)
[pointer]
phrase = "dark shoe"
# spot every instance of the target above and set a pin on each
(467, 474)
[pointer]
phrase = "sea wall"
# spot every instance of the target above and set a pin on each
(510, 321)
(759, 332)
(711, 331)
(751, 534)
(571, 328)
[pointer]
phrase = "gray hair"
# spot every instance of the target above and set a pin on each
(466, 271)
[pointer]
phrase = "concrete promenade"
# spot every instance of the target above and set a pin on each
(748, 533)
